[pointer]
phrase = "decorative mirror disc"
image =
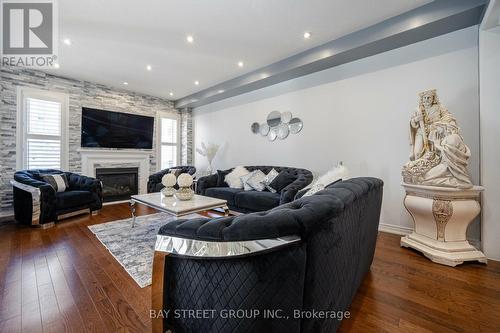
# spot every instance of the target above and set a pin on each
(264, 129)
(282, 131)
(274, 118)
(255, 128)
(286, 117)
(295, 125)
(273, 133)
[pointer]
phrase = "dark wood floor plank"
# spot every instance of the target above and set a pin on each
(64, 280)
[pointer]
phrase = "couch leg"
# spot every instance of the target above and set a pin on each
(44, 225)
(95, 212)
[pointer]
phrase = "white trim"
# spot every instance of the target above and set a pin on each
(22, 94)
(168, 115)
(92, 157)
(395, 229)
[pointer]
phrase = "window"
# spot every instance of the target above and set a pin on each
(41, 136)
(168, 141)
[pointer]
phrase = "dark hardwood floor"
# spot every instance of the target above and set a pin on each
(63, 280)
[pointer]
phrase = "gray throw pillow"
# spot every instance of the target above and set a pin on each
(269, 178)
(256, 181)
(244, 180)
(58, 181)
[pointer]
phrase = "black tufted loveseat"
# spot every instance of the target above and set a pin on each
(37, 203)
(254, 201)
(154, 181)
(302, 258)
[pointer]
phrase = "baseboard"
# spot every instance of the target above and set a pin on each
(394, 229)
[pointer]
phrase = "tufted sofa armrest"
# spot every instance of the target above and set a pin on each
(43, 196)
(206, 182)
(304, 178)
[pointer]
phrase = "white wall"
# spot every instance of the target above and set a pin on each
(489, 60)
(357, 113)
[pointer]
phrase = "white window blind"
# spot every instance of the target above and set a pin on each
(43, 133)
(168, 142)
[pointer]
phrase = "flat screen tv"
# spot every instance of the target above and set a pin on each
(107, 129)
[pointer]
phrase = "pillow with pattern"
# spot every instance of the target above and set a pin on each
(256, 181)
(269, 178)
(58, 181)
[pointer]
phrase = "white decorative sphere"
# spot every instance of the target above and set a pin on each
(168, 180)
(185, 180)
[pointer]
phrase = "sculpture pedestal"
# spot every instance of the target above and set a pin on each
(441, 216)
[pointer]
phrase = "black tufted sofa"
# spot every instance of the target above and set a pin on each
(254, 201)
(154, 181)
(36, 202)
(323, 247)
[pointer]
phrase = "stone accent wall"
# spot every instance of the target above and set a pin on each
(186, 136)
(81, 93)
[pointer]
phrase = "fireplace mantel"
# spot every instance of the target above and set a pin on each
(115, 158)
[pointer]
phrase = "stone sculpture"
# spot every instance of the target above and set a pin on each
(438, 155)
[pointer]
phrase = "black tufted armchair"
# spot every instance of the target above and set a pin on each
(154, 181)
(302, 261)
(253, 201)
(37, 203)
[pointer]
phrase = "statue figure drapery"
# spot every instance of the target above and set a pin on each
(438, 155)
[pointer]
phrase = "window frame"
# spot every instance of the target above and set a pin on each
(23, 93)
(159, 116)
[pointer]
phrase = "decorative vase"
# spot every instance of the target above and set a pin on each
(168, 181)
(184, 192)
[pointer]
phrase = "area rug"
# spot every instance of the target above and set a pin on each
(133, 248)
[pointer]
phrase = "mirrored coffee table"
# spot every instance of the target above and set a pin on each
(176, 207)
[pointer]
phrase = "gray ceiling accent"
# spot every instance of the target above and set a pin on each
(432, 20)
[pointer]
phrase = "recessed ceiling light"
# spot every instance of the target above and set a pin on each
(171, 94)
(125, 83)
(148, 67)
(67, 41)
(240, 64)
(197, 83)
(220, 91)
(307, 35)
(56, 65)
(190, 39)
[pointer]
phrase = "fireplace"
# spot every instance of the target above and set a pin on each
(118, 183)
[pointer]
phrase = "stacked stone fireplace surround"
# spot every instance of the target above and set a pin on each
(81, 93)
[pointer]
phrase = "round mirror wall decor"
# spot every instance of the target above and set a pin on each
(264, 129)
(282, 131)
(295, 125)
(255, 128)
(286, 117)
(278, 125)
(273, 134)
(274, 118)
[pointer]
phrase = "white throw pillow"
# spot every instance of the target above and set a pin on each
(233, 178)
(269, 178)
(256, 180)
(244, 180)
(334, 174)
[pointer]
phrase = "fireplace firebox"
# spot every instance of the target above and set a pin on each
(118, 183)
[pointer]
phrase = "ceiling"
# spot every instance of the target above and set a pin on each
(113, 41)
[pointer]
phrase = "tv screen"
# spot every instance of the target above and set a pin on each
(107, 129)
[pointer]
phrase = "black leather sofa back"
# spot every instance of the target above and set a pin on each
(338, 227)
(154, 181)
